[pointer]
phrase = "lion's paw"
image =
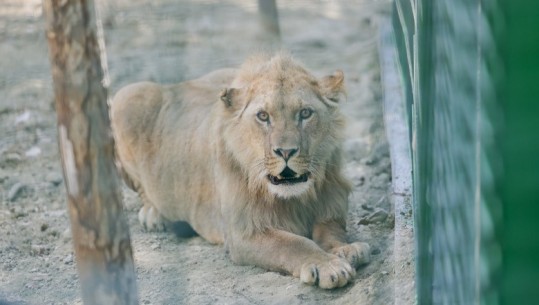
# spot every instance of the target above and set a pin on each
(151, 219)
(356, 254)
(335, 272)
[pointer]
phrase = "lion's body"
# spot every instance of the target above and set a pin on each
(178, 177)
(208, 161)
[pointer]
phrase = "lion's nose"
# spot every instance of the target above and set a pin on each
(285, 153)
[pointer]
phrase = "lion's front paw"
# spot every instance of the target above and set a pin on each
(356, 254)
(151, 219)
(328, 274)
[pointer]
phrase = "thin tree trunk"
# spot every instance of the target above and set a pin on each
(100, 232)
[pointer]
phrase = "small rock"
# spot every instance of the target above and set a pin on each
(383, 178)
(12, 158)
(54, 233)
(385, 273)
(155, 246)
(366, 207)
(369, 161)
(15, 191)
(375, 251)
(379, 215)
(20, 214)
(66, 235)
(39, 250)
(68, 259)
(33, 152)
(23, 117)
(54, 178)
(359, 181)
(44, 227)
(363, 221)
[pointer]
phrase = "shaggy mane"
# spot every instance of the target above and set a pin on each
(281, 67)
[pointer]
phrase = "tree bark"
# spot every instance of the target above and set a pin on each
(100, 232)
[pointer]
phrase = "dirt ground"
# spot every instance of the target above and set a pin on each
(169, 41)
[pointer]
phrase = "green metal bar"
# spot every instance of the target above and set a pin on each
(521, 150)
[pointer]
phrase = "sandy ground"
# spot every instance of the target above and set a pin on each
(169, 41)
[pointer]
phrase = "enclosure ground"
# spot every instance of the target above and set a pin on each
(169, 41)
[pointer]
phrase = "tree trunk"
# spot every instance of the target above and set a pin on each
(100, 233)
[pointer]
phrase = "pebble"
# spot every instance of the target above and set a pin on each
(39, 250)
(369, 161)
(23, 117)
(366, 207)
(15, 191)
(359, 181)
(66, 235)
(44, 227)
(383, 178)
(54, 178)
(379, 215)
(12, 158)
(33, 152)
(68, 259)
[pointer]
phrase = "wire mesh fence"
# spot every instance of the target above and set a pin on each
(452, 65)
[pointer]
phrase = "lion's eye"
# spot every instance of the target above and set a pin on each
(263, 116)
(305, 113)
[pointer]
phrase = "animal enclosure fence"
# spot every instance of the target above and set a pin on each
(468, 94)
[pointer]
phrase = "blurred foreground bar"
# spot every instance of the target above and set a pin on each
(100, 232)
(520, 187)
(470, 71)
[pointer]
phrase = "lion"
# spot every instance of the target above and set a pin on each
(250, 158)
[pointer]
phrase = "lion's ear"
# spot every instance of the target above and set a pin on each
(228, 96)
(333, 86)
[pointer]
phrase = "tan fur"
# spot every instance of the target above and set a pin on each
(199, 152)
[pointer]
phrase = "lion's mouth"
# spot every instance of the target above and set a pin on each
(288, 176)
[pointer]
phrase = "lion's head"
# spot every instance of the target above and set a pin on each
(283, 126)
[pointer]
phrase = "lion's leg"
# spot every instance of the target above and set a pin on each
(149, 217)
(283, 251)
(330, 236)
